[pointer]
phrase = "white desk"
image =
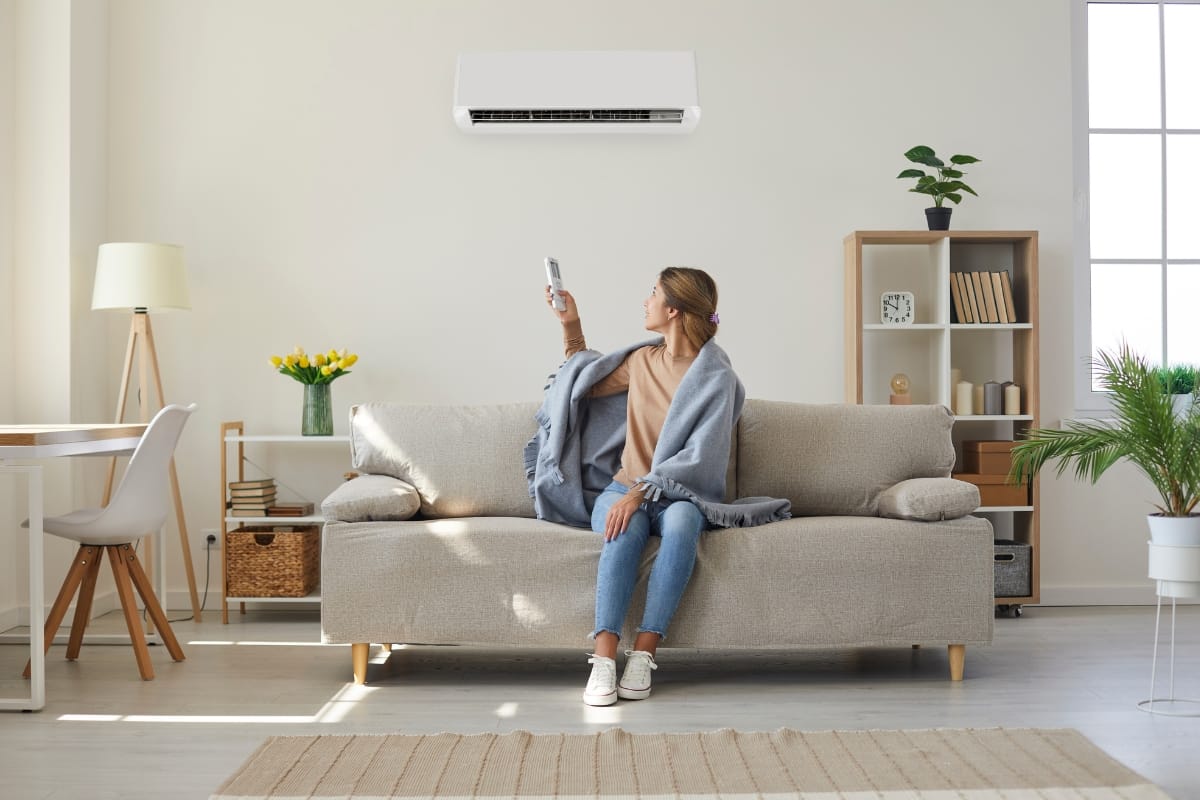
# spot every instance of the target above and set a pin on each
(50, 441)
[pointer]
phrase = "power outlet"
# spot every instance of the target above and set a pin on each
(207, 540)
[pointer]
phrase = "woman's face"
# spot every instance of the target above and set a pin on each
(657, 312)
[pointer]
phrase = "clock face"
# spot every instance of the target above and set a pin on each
(897, 308)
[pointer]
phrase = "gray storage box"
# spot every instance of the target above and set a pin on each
(1012, 568)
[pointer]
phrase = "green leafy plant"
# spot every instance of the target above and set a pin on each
(946, 184)
(1145, 431)
(1177, 378)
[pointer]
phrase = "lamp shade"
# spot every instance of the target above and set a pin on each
(140, 275)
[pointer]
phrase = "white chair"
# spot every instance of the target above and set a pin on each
(138, 508)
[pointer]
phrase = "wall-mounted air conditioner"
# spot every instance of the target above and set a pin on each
(577, 92)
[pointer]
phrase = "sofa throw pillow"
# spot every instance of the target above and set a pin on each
(929, 499)
(371, 498)
(465, 461)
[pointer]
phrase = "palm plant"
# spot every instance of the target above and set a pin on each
(1146, 432)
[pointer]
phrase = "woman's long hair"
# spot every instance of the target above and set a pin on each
(693, 293)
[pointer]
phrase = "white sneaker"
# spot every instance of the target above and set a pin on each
(635, 680)
(602, 685)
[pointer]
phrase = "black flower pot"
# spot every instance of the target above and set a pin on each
(938, 218)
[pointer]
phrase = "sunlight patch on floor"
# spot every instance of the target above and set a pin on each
(335, 710)
(219, 643)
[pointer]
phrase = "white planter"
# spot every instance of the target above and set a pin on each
(1175, 555)
(1181, 403)
(1175, 531)
(1177, 570)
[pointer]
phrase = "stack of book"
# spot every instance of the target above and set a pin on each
(982, 297)
(251, 498)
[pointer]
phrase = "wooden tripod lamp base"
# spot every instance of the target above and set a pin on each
(140, 276)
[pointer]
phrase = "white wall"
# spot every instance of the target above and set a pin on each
(8, 490)
(304, 155)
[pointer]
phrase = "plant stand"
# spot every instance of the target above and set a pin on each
(1177, 572)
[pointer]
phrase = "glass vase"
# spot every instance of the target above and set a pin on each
(318, 410)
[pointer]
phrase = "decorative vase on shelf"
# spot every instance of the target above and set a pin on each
(317, 419)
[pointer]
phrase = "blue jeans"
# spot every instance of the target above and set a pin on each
(680, 525)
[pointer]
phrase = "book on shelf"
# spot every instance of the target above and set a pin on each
(1006, 285)
(247, 512)
(252, 502)
(261, 483)
(960, 314)
(1001, 307)
(989, 299)
(266, 491)
(968, 290)
(290, 510)
(251, 506)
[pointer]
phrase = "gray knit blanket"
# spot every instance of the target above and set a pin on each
(577, 448)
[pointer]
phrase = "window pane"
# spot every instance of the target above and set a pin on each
(1126, 195)
(1183, 196)
(1181, 29)
(1123, 66)
(1127, 306)
(1183, 323)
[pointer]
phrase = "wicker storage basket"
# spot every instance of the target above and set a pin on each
(273, 560)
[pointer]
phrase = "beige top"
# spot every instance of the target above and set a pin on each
(651, 375)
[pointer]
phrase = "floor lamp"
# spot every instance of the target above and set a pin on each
(139, 276)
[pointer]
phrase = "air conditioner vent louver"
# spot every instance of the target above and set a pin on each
(577, 92)
(588, 116)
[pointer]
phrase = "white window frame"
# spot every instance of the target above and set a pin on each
(1087, 401)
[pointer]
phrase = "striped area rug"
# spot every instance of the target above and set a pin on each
(1008, 764)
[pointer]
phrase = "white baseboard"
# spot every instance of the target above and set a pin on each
(102, 603)
(1140, 594)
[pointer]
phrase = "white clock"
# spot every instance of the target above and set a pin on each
(897, 308)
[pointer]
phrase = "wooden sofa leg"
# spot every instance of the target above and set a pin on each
(958, 655)
(359, 651)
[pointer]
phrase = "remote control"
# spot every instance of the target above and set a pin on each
(554, 278)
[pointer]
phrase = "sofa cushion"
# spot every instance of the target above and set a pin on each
(463, 460)
(371, 498)
(929, 499)
(836, 459)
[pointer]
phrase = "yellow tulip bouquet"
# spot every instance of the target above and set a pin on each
(315, 369)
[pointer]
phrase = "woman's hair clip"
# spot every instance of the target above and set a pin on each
(714, 318)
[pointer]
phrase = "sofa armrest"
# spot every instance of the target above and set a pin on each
(371, 498)
(929, 499)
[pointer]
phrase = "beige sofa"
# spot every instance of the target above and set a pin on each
(436, 542)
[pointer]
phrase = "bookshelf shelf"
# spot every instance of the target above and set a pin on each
(233, 450)
(922, 262)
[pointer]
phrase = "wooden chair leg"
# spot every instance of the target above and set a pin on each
(958, 656)
(83, 605)
(142, 584)
(125, 590)
(74, 577)
(359, 651)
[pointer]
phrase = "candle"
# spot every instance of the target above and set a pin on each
(962, 398)
(955, 377)
(992, 399)
(977, 399)
(1012, 399)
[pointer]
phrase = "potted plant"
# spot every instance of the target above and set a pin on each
(1180, 382)
(945, 185)
(1145, 431)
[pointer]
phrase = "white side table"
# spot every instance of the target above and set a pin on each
(1177, 572)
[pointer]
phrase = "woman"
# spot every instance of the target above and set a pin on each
(668, 486)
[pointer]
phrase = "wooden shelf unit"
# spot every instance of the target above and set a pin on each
(921, 262)
(234, 433)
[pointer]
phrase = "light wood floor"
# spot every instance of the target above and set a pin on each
(107, 734)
